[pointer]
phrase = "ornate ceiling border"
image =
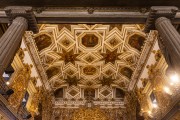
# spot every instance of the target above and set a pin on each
(34, 54)
(143, 58)
(89, 15)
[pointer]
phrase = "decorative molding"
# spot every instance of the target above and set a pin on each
(109, 113)
(159, 11)
(60, 103)
(76, 15)
(152, 37)
(35, 58)
(22, 11)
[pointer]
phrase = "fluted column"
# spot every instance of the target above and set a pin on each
(21, 19)
(10, 41)
(169, 42)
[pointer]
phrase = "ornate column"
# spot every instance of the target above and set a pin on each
(169, 41)
(21, 19)
(10, 41)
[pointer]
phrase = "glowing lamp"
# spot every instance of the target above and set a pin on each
(167, 90)
(174, 78)
(7, 83)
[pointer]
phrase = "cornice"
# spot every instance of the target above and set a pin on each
(89, 15)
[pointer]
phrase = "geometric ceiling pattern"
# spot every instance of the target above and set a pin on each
(89, 55)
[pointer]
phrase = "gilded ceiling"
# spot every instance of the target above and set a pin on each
(89, 55)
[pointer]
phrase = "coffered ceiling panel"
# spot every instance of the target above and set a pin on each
(89, 55)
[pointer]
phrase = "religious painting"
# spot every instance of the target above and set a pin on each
(89, 70)
(126, 72)
(90, 40)
(89, 93)
(136, 41)
(43, 41)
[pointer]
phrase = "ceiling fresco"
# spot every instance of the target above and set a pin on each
(89, 55)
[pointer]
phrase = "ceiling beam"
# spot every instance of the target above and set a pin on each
(88, 15)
